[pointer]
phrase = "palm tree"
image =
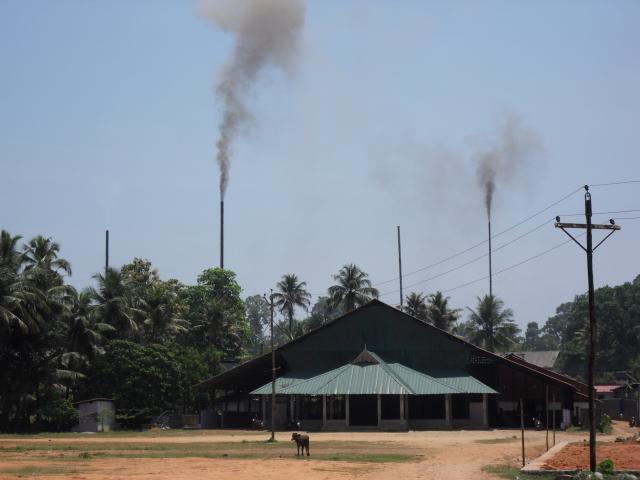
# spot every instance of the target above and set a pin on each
(439, 313)
(291, 294)
(113, 305)
(493, 324)
(23, 306)
(10, 257)
(84, 332)
(416, 306)
(159, 312)
(42, 263)
(353, 289)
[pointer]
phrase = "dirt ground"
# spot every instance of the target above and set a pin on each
(576, 456)
(226, 455)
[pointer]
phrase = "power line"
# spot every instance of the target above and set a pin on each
(600, 213)
(511, 267)
(455, 255)
(538, 227)
(623, 182)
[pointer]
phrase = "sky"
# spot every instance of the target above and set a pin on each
(108, 120)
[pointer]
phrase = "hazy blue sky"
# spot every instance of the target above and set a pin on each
(108, 120)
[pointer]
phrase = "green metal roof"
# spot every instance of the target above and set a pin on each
(368, 374)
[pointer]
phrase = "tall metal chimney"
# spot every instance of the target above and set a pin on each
(221, 233)
(106, 251)
(490, 272)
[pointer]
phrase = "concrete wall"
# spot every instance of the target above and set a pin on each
(96, 416)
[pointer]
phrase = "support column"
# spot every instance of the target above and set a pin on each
(292, 413)
(324, 411)
(346, 410)
(485, 410)
(401, 407)
(379, 409)
(264, 408)
(447, 410)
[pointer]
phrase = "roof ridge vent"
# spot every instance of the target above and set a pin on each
(366, 357)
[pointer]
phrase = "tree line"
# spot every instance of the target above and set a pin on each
(146, 341)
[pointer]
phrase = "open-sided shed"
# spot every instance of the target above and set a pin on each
(377, 367)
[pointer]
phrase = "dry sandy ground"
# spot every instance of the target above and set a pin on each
(441, 454)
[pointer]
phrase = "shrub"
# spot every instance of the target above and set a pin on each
(58, 415)
(606, 466)
(605, 425)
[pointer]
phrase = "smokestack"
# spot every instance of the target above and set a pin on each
(221, 233)
(490, 271)
(106, 251)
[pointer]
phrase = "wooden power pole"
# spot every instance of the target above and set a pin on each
(589, 249)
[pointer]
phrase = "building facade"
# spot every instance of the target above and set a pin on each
(379, 368)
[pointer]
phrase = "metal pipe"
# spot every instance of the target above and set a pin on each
(106, 251)
(221, 233)
(400, 268)
(490, 267)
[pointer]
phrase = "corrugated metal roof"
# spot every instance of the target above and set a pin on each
(543, 358)
(376, 378)
(461, 381)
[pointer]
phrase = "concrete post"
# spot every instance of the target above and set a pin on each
(379, 409)
(292, 413)
(401, 407)
(447, 410)
(346, 410)
(324, 411)
(485, 410)
(331, 413)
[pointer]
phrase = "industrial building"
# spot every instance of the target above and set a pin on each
(380, 368)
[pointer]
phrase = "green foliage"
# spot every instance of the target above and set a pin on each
(217, 313)
(606, 466)
(353, 288)
(290, 294)
(58, 415)
(618, 316)
(605, 426)
(491, 325)
(416, 306)
(146, 380)
(537, 339)
(322, 312)
(438, 312)
(257, 312)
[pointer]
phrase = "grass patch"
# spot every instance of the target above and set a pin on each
(35, 470)
(134, 433)
(367, 457)
(511, 472)
(491, 441)
(345, 451)
(503, 470)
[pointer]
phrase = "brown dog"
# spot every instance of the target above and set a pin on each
(302, 441)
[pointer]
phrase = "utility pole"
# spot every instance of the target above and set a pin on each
(400, 268)
(273, 371)
(589, 227)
